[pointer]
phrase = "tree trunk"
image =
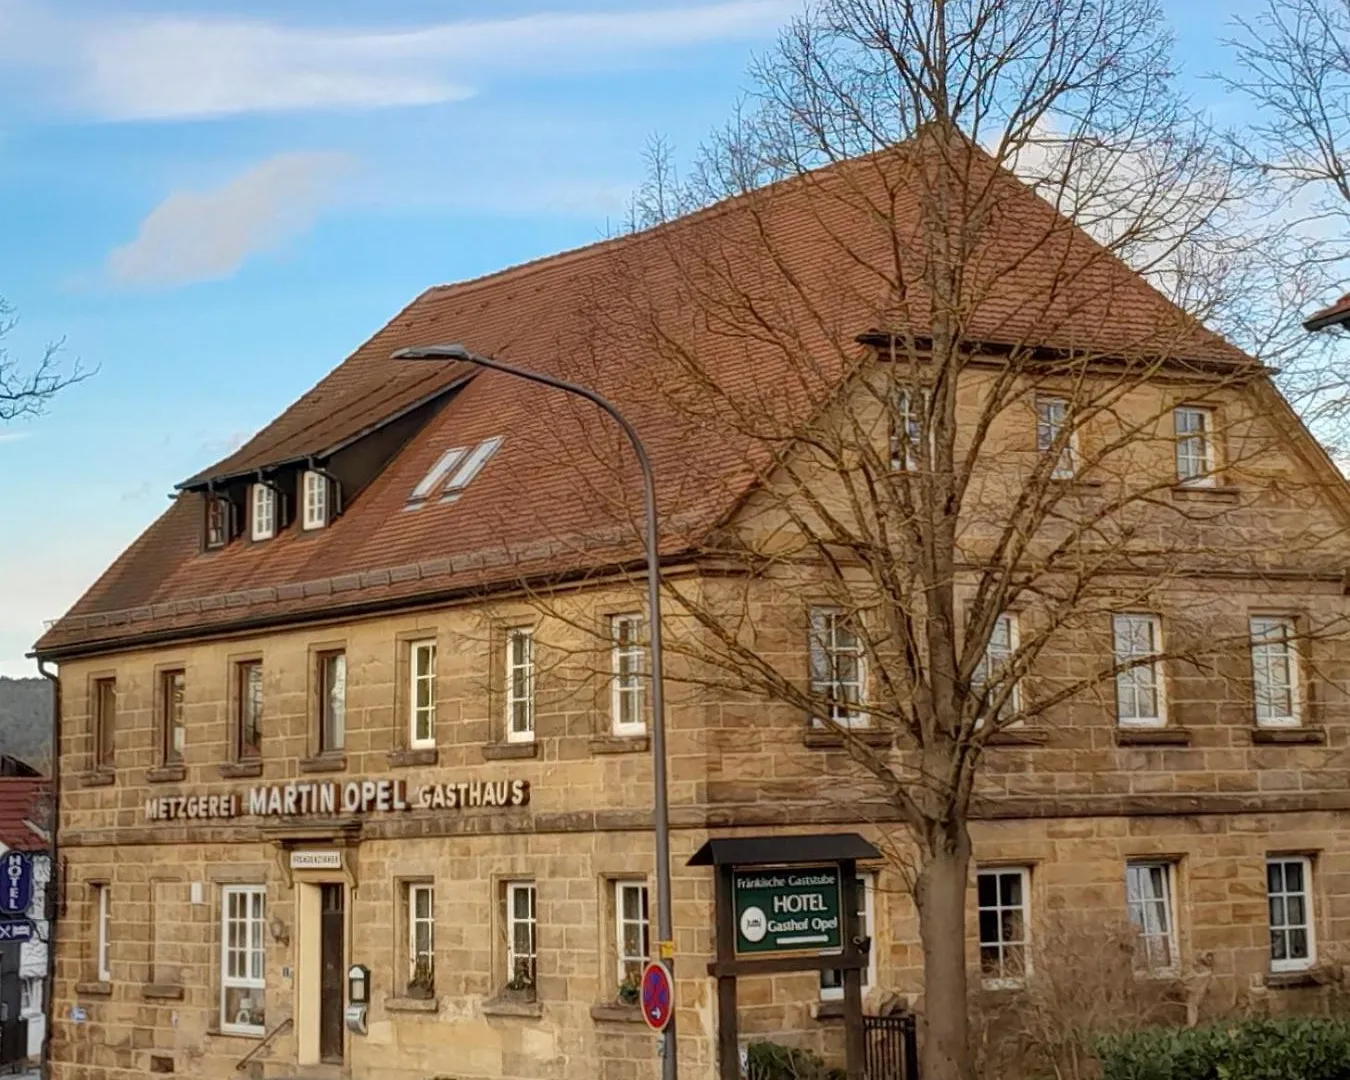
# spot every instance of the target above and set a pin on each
(941, 900)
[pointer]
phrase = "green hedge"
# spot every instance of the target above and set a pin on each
(1290, 1049)
(771, 1061)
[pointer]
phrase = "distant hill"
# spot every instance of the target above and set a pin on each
(26, 720)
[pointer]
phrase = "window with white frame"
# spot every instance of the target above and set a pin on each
(626, 704)
(332, 701)
(219, 513)
(1289, 893)
(522, 944)
(243, 983)
(422, 694)
(832, 982)
(103, 931)
(998, 654)
(907, 426)
(1195, 444)
(1137, 642)
(1148, 898)
(1052, 416)
(632, 930)
(314, 500)
(421, 900)
(838, 668)
(520, 685)
(1004, 896)
(1275, 671)
(453, 471)
(264, 516)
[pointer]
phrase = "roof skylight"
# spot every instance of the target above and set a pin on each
(453, 471)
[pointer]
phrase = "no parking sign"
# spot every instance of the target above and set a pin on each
(658, 996)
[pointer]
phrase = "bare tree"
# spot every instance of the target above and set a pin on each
(902, 299)
(26, 390)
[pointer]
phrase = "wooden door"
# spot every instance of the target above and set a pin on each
(332, 976)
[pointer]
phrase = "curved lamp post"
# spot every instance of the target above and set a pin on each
(459, 353)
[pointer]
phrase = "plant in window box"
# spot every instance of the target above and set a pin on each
(629, 991)
(521, 986)
(423, 982)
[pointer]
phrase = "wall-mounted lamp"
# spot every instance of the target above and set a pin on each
(281, 933)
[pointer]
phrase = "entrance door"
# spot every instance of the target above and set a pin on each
(332, 973)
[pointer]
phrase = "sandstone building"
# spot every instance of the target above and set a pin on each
(372, 692)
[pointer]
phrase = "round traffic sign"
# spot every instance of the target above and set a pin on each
(658, 996)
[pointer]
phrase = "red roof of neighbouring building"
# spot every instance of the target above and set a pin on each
(25, 813)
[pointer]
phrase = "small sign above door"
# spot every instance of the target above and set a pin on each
(316, 860)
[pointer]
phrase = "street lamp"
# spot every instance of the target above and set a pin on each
(459, 353)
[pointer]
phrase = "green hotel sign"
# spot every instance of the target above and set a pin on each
(788, 910)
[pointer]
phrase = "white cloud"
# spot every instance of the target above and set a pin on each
(158, 67)
(203, 236)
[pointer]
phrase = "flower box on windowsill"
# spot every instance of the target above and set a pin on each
(1153, 736)
(620, 744)
(404, 756)
(239, 770)
(412, 1004)
(822, 738)
(510, 751)
(166, 774)
(617, 1012)
(324, 763)
(1293, 980)
(1289, 736)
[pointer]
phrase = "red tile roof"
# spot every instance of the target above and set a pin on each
(25, 813)
(1337, 314)
(547, 501)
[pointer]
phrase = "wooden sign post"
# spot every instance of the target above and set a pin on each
(787, 903)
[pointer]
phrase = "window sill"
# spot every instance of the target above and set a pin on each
(511, 751)
(825, 1011)
(214, 1030)
(411, 1004)
(505, 1006)
(822, 739)
(100, 777)
(1207, 493)
(165, 774)
(1020, 737)
(613, 1012)
(1293, 980)
(239, 770)
(620, 744)
(1289, 736)
(406, 756)
(161, 992)
(324, 763)
(1147, 736)
(94, 989)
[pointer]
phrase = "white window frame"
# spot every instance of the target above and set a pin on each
(1129, 679)
(627, 683)
(1194, 469)
(867, 886)
(514, 888)
(904, 419)
(1266, 652)
(332, 721)
(1023, 874)
(416, 889)
(417, 681)
(103, 932)
(471, 467)
(644, 924)
(1052, 414)
(824, 650)
(262, 512)
(1308, 925)
(314, 500)
(1135, 907)
(520, 700)
(255, 941)
(996, 657)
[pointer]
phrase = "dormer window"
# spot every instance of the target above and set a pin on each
(315, 500)
(453, 471)
(264, 516)
(217, 521)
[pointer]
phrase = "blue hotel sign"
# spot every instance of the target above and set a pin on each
(16, 882)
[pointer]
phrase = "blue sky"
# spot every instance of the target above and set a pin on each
(214, 203)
